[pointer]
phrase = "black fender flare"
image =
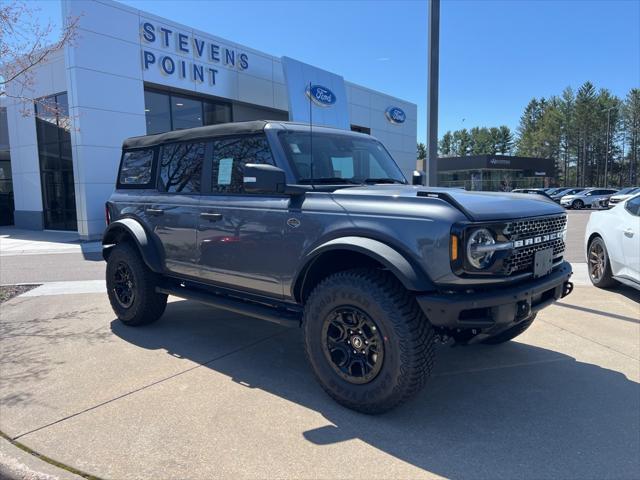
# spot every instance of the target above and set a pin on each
(413, 278)
(131, 228)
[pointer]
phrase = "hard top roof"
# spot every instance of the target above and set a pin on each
(224, 129)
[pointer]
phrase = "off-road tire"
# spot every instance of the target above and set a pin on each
(407, 337)
(147, 305)
(577, 205)
(606, 280)
(511, 333)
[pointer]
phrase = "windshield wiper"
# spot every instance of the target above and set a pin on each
(328, 180)
(382, 180)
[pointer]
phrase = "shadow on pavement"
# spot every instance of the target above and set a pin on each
(630, 293)
(511, 411)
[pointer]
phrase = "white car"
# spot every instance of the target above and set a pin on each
(589, 197)
(612, 245)
(622, 195)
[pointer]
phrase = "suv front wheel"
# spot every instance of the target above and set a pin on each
(368, 343)
(131, 287)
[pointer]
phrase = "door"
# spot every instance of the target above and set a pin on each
(631, 238)
(240, 235)
(173, 212)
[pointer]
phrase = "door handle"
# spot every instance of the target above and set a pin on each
(628, 232)
(154, 211)
(212, 217)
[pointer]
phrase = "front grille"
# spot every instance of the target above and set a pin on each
(534, 226)
(521, 259)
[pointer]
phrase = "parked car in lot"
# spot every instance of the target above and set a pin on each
(565, 191)
(322, 230)
(590, 197)
(612, 245)
(534, 191)
(623, 195)
(553, 191)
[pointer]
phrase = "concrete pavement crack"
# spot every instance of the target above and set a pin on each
(101, 404)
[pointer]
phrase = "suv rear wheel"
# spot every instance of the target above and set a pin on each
(368, 343)
(131, 287)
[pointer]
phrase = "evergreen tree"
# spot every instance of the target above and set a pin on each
(632, 134)
(504, 141)
(445, 146)
(461, 142)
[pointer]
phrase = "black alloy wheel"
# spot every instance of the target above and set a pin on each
(353, 344)
(124, 285)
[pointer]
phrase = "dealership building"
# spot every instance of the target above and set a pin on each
(495, 172)
(131, 73)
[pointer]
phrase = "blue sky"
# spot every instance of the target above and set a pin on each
(495, 54)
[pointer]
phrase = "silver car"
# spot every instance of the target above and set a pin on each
(591, 197)
(623, 195)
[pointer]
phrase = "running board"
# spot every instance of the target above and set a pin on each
(284, 317)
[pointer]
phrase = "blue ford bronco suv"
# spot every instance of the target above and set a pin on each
(318, 228)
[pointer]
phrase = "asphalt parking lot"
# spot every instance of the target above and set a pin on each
(208, 394)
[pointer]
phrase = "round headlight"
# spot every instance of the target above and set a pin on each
(478, 254)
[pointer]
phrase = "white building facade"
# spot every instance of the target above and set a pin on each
(132, 73)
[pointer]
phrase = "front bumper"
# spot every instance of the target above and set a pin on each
(492, 311)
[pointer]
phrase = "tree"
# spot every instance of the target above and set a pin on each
(568, 144)
(528, 128)
(445, 146)
(482, 142)
(631, 115)
(504, 140)
(461, 143)
(24, 44)
(422, 151)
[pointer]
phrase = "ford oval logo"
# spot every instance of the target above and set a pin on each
(321, 96)
(395, 115)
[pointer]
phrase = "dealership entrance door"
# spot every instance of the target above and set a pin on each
(56, 165)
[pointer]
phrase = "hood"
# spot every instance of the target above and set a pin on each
(477, 206)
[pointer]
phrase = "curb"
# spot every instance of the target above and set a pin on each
(19, 464)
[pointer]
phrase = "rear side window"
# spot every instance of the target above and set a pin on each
(633, 206)
(181, 167)
(230, 155)
(136, 168)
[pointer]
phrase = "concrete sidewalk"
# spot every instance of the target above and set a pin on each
(208, 394)
(15, 241)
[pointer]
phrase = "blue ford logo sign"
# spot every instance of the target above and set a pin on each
(321, 96)
(395, 115)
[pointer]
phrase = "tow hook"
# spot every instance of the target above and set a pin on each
(567, 288)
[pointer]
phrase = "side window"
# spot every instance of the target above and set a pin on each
(136, 168)
(181, 167)
(633, 206)
(230, 155)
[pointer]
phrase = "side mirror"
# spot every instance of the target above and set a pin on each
(263, 178)
(417, 178)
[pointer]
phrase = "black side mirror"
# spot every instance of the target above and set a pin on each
(262, 178)
(417, 178)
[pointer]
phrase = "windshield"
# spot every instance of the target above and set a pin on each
(627, 191)
(339, 159)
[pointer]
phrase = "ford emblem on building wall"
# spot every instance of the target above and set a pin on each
(321, 96)
(395, 115)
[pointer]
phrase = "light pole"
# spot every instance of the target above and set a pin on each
(433, 60)
(606, 153)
